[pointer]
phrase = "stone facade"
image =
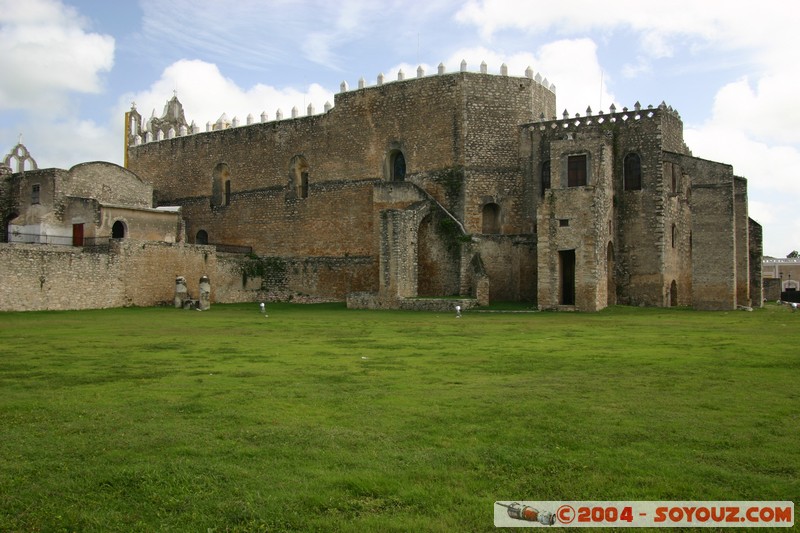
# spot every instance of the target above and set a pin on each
(456, 185)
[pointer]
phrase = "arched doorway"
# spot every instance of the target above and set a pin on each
(201, 237)
(673, 294)
(118, 230)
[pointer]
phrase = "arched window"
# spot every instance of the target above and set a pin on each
(220, 183)
(118, 230)
(545, 179)
(491, 218)
(201, 237)
(397, 166)
(633, 172)
(298, 174)
(674, 235)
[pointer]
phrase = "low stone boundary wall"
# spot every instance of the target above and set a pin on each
(363, 300)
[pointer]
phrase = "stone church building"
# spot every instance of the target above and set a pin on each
(460, 185)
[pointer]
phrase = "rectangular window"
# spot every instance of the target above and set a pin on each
(228, 192)
(35, 194)
(563, 222)
(576, 171)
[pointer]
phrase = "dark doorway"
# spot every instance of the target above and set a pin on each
(566, 267)
(202, 237)
(118, 230)
(77, 235)
(673, 294)
(491, 218)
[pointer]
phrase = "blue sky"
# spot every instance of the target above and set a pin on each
(69, 69)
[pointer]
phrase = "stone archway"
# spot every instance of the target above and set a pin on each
(118, 230)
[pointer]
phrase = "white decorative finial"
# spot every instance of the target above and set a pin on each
(483, 67)
(463, 65)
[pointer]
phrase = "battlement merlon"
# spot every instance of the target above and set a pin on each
(173, 124)
(668, 120)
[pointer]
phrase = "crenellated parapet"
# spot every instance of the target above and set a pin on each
(613, 116)
(173, 124)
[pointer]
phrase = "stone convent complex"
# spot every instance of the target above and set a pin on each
(451, 185)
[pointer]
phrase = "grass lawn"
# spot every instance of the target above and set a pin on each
(320, 418)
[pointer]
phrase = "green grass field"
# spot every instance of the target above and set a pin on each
(320, 418)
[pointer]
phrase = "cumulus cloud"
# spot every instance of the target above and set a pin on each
(573, 62)
(206, 94)
(46, 54)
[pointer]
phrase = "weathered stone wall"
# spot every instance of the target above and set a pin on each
(755, 248)
(457, 133)
(576, 218)
(142, 224)
(43, 277)
(512, 270)
(107, 183)
(142, 273)
(677, 233)
(714, 278)
(494, 109)
(647, 241)
(741, 226)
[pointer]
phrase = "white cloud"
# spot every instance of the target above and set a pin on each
(206, 94)
(771, 179)
(46, 54)
(573, 63)
(763, 109)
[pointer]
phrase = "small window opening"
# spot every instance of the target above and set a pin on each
(299, 172)
(576, 170)
(398, 166)
(201, 237)
(220, 177)
(632, 172)
(563, 222)
(545, 176)
(228, 192)
(674, 235)
(491, 218)
(302, 188)
(35, 193)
